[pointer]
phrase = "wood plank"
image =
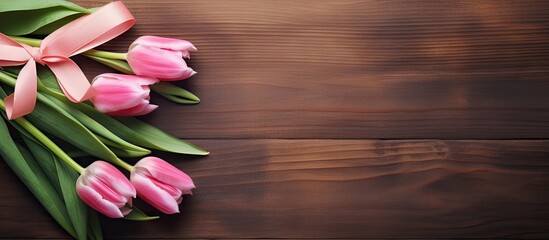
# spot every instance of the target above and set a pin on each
(355, 69)
(337, 189)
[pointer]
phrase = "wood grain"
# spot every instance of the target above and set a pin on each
(338, 189)
(356, 69)
(299, 99)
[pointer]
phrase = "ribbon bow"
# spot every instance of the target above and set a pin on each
(76, 37)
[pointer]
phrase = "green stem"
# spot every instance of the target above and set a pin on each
(119, 65)
(7, 79)
(10, 80)
(97, 53)
(46, 141)
(123, 164)
(105, 54)
(29, 41)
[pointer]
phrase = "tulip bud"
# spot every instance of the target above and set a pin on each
(122, 95)
(161, 58)
(160, 184)
(106, 189)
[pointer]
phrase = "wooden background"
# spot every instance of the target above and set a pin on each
(346, 119)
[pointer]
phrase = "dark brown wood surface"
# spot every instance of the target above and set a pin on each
(346, 119)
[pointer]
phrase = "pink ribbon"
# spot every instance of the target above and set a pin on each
(76, 37)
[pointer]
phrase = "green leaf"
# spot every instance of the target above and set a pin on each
(126, 153)
(78, 210)
(175, 93)
(21, 17)
(137, 215)
(94, 227)
(28, 22)
(66, 182)
(52, 26)
(140, 133)
(25, 5)
(46, 77)
(143, 135)
(103, 133)
(25, 167)
(62, 125)
(12, 71)
(69, 149)
(157, 139)
(45, 158)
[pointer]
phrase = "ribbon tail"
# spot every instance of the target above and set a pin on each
(23, 99)
(72, 80)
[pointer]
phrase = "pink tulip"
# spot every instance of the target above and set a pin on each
(106, 189)
(161, 58)
(161, 184)
(122, 95)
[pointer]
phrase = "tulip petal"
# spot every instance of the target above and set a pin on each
(152, 194)
(158, 63)
(113, 95)
(165, 172)
(94, 200)
(125, 210)
(141, 80)
(188, 191)
(164, 43)
(109, 174)
(104, 189)
(141, 109)
(122, 95)
(174, 192)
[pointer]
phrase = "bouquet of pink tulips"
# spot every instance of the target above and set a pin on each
(48, 122)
